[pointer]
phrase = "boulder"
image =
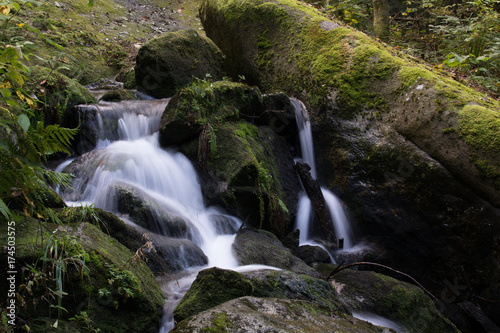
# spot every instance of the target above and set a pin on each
(212, 287)
(406, 304)
(244, 168)
(206, 102)
(116, 291)
(412, 153)
(289, 285)
(148, 213)
(171, 61)
(311, 254)
(253, 246)
(251, 314)
(215, 286)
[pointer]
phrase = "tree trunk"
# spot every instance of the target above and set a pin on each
(318, 203)
(381, 18)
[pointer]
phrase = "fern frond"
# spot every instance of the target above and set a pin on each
(51, 139)
(5, 210)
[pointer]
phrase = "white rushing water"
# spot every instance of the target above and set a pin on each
(339, 218)
(128, 152)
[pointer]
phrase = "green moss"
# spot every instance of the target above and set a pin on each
(480, 128)
(220, 323)
(212, 286)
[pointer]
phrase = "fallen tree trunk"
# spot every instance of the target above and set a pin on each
(318, 204)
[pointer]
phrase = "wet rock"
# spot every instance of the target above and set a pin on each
(253, 246)
(311, 254)
(170, 61)
(215, 286)
(289, 285)
(145, 211)
(117, 95)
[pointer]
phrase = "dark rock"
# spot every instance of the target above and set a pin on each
(292, 240)
(253, 246)
(171, 61)
(130, 237)
(408, 305)
(146, 212)
(311, 254)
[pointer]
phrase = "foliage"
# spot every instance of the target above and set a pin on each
(462, 37)
(62, 254)
(24, 139)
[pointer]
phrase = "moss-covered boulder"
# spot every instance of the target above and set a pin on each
(215, 286)
(134, 238)
(244, 164)
(406, 304)
(171, 61)
(57, 92)
(212, 287)
(203, 103)
(102, 280)
(289, 285)
(252, 314)
(253, 246)
(411, 152)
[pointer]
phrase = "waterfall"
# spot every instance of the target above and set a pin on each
(303, 222)
(128, 152)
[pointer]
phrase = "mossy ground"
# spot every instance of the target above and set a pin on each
(111, 285)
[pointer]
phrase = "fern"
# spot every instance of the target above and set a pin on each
(51, 139)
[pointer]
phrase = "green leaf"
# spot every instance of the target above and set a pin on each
(24, 122)
(4, 209)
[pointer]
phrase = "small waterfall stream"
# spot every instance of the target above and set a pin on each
(304, 218)
(128, 152)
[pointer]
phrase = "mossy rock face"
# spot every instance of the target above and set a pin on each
(115, 291)
(256, 184)
(130, 237)
(215, 286)
(253, 246)
(203, 103)
(58, 93)
(408, 305)
(340, 72)
(288, 285)
(212, 287)
(397, 142)
(252, 314)
(170, 61)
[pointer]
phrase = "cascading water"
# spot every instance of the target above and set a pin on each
(304, 219)
(128, 152)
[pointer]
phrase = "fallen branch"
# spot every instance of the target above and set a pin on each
(338, 269)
